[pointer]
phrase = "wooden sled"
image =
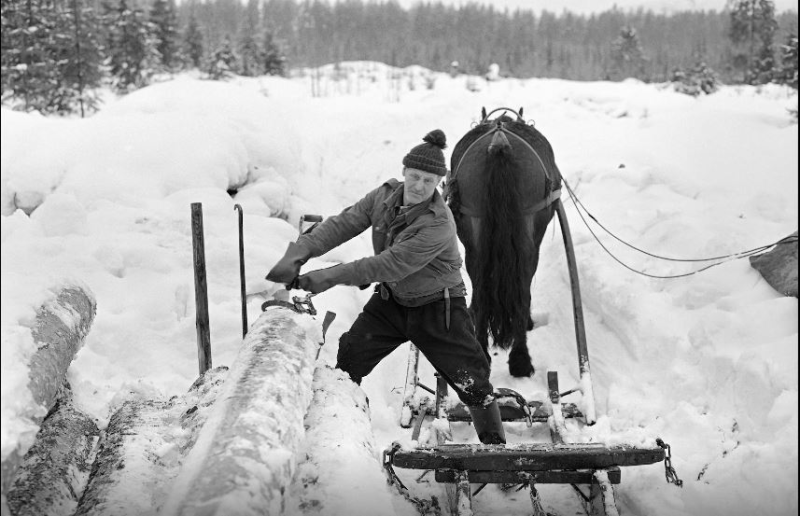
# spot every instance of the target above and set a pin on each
(591, 469)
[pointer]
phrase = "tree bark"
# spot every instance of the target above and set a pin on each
(54, 472)
(245, 455)
(60, 328)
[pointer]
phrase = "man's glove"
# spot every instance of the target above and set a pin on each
(288, 267)
(323, 279)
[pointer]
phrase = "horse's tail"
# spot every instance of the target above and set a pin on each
(500, 294)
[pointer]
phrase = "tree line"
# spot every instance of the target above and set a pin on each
(56, 53)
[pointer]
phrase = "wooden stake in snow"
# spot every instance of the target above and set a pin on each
(201, 290)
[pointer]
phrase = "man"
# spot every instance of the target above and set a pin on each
(420, 296)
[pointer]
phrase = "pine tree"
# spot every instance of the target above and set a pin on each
(164, 20)
(80, 61)
(193, 42)
(30, 44)
(132, 56)
(223, 63)
(627, 57)
(251, 56)
(250, 53)
(752, 28)
(700, 79)
(274, 61)
(787, 72)
(11, 31)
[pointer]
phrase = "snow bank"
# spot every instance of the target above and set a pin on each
(707, 362)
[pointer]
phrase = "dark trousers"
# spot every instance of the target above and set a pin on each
(384, 325)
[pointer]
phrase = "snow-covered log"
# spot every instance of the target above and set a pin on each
(779, 267)
(339, 433)
(245, 455)
(142, 448)
(55, 470)
(60, 327)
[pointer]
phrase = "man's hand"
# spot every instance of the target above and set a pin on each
(288, 267)
(320, 280)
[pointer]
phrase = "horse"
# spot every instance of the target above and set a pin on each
(501, 187)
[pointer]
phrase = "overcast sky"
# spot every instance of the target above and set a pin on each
(589, 6)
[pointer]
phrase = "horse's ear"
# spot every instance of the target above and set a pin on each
(483, 113)
(520, 114)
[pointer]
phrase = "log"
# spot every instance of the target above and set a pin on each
(54, 472)
(142, 447)
(245, 454)
(59, 330)
(339, 413)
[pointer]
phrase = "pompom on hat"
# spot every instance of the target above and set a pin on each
(428, 156)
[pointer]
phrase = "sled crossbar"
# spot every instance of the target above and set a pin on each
(521, 477)
(528, 457)
(511, 411)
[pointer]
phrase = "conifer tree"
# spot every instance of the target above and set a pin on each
(787, 73)
(223, 63)
(250, 53)
(165, 24)
(627, 57)
(274, 61)
(752, 29)
(193, 42)
(80, 60)
(132, 56)
(30, 44)
(11, 27)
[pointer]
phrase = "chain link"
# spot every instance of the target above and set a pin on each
(669, 470)
(424, 506)
(299, 304)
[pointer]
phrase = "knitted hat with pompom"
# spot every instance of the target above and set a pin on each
(428, 156)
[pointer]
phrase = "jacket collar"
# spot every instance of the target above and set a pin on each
(435, 204)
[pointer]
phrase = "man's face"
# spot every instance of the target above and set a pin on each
(419, 185)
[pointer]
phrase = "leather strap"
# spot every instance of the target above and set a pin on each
(544, 203)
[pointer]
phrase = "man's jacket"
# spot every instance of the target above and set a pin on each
(416, 249)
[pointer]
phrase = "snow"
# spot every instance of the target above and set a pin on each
(707, 362)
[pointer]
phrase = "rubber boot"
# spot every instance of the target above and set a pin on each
(488, 424)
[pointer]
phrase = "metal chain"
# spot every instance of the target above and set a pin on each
(298, 304)
(424, 506)
(671, 474)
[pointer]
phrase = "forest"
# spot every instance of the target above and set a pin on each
(57, 53)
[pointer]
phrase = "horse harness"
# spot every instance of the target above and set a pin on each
(499, 137)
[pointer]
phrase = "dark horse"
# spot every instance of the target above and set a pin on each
(501, 188)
